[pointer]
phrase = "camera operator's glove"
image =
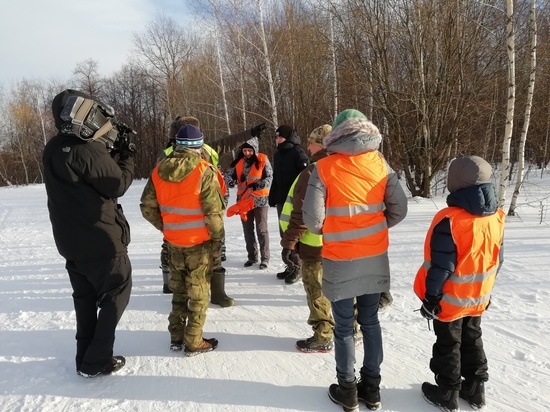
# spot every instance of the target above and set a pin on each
(126, 149)
(290, 258)
(257, 130)
(430, 307)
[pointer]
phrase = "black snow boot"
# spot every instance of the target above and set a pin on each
(368, 391)
(284, 273)
(445, 399)
(474, 393)
(217, 289)
(345, 394)
(294, 276)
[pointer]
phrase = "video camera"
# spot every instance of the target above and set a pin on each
(91, 120)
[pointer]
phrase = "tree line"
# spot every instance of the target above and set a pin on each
(433, 75)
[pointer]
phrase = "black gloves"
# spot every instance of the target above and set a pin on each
(257, 130)
(290, 258)
(124, 148)
(254, 186)
(430, 307)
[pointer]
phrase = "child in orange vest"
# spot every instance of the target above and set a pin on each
(462, 256)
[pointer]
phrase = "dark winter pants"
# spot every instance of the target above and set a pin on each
(258, 215)
(344, 344)
(458, 351)
(104, 284)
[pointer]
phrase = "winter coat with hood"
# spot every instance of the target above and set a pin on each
(343, 279)
(296, 226)
(174, 169)
(267, 172)
(447, 250)
(83, 180)
(288, 161)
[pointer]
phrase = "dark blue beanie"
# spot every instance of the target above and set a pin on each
(189, 136)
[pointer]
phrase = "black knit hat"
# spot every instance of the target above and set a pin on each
(284, 131)
(189, 136)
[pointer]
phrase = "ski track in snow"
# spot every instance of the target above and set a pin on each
(256, 367)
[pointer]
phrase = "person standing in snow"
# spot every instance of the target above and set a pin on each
(288, 161)
(183, 199)
(84, 174)
(252, 173)
(302, 250)
(353, 197)
(462, 257)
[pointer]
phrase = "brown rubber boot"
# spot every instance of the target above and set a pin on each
(217, 289)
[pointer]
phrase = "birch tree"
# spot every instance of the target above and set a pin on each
(528, 106)
(510, 107)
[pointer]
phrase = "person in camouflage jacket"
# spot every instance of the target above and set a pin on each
(168, 191)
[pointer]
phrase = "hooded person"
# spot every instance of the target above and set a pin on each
(353, 197)
(462, 257)
(251, 172)
(84, 177)
(184, 181)
(288, 161)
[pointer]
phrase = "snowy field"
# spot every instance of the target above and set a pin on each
(256, 367)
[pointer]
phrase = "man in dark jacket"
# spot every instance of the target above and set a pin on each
(289, 160)
(84, 176)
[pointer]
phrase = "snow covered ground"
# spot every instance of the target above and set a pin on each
(256, 367)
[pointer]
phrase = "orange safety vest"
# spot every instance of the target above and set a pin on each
(181, 208)
(478, 240)
(355, 226)
(254, 174)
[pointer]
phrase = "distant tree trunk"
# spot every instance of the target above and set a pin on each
(222, 86)
(333, 58)
(269, 75)
(529, 103)
(505, 165)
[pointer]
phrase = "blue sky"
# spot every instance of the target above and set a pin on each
(46, 39)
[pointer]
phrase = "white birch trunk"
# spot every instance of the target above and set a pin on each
(511, 48)
(528, 105)
(269, 76)
(333, 57)
(222, 85)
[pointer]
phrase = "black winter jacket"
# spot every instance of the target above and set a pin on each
(83, 182)
(289, 160)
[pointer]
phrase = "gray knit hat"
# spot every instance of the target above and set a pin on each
(468, 171)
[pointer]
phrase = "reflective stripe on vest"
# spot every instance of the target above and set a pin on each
(355, 226)
(308, 238)
(253, 175)
(181, 209)
(478, 239)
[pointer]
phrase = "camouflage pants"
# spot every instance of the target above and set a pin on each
(190, 274)
(320, 316)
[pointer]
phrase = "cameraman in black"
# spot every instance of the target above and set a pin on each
(87, 166)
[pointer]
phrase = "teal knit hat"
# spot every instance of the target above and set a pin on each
(345, 115)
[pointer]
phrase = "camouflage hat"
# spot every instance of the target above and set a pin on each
(318, 133)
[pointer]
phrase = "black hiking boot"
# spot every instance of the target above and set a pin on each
(368, 391)
(264, 264)
(345, 394)
(249, 263)
(294, 276)
(116, 364)
(445, 399)
(313, 345)
(284, 273)
(474, 393)
(207, 345)
(176, 345)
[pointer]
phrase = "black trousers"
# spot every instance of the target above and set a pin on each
(258, 215)
(458, 352)
(104, 285)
